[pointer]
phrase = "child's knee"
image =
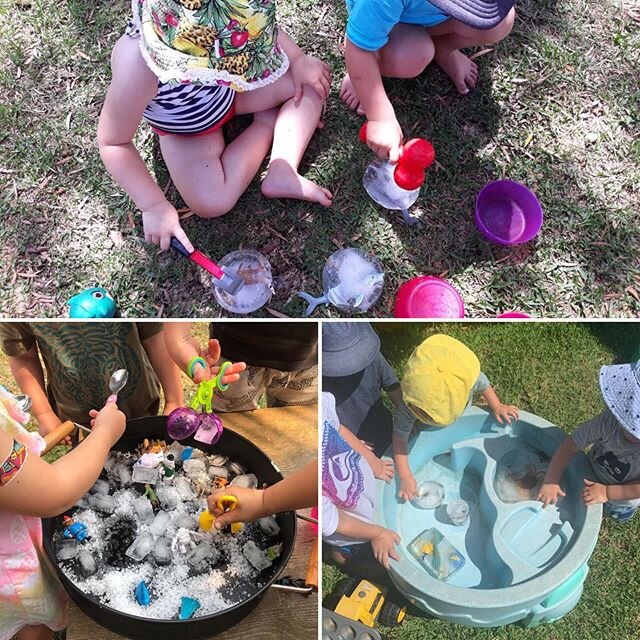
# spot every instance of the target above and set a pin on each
(502, 30)
(213, 207)
(410, 66)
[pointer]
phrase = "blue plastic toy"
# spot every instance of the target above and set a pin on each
(92, 303)
(77, 530)
(187, 452)
(142, 594)
(188, 608)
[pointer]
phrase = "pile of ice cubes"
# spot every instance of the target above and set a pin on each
(142, 525)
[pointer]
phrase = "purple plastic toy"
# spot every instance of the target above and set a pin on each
(182, 422)
(508, 213)
(210, 429)
(514, 314)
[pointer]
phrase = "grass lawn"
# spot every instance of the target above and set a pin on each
(549, 369)
(556, 108)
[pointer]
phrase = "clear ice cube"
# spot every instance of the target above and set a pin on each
(142, 546)
(246, 481)
(87, 563)
(100, 486)
(194, 467)
(122, 473)
(256, 556)
(105, 504)
(168, 496)
(162, 553)
(68, 549)
(218, 472)
(145, 475)
(185, 521)
(184, 488)
(160, 523)
(269, 526)
(379, 183)
(143, 509)
(203, 553)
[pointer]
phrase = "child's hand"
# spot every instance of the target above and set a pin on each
(384, 547)
(160, 222)
(382, 469)
(594, 493)
(109, 420)
(549, 493)
(408, 488)
(212, 354)
(384, 138)
(505, 413)
(309, 70)
(250, 506)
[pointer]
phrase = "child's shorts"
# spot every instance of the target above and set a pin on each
(618, 512)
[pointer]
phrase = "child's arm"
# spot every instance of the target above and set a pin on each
(502, 412)
(166, 370)
(28, 374)
(183, 347)
(383, 540)
(384, 134)
(596, 493)
(396, 396)
(132, 87)
(382, 469)
(297, 491)
(46, 490)
(408, 486)
(550, 490)
(305, 69)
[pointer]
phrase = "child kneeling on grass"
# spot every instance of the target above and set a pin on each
(439, 381)
(186, 67)
(614, 437)
(349, 470)
(399, 38)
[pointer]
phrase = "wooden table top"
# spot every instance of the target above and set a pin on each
(289, 435)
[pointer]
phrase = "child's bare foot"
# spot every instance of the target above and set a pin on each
(349, 97)
(462, 71)
(282, 181)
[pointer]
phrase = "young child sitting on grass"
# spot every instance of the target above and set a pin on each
(355, 373)
(33, 603)
(399, 38)
(186, 67)
(614, 438)
(439, 381)
(349, 470)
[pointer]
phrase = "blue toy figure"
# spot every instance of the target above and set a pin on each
(77, 530)
(92, 303)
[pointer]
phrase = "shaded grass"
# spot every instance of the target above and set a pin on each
(549, 369)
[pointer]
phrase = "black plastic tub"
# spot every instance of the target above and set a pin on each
(237, 448)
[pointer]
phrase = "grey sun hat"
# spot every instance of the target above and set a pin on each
(620, 386)
(347, 347)
(478, 14)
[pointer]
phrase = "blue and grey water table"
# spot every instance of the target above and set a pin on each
(509, 560)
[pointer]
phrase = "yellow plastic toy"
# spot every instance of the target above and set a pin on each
(206, 520)
(227, 503)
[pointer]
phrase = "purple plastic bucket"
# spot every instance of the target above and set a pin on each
(428, 297)
(514, 314)
(508, 213)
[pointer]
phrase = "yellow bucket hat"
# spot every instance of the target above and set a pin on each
(439, 377)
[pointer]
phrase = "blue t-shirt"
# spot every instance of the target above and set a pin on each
(370, 21)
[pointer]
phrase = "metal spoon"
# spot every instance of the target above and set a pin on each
(116, 384)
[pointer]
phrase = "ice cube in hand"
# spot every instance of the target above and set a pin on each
(141, 547)
(269, 526)
(105, 504)
(162, 551)
(246, 481)
(144, 510)
(256, 556)
(160, 523)
(100, 486)
(87, 564)
(68, 549)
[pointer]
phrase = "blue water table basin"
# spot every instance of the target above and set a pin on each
(500, 558)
